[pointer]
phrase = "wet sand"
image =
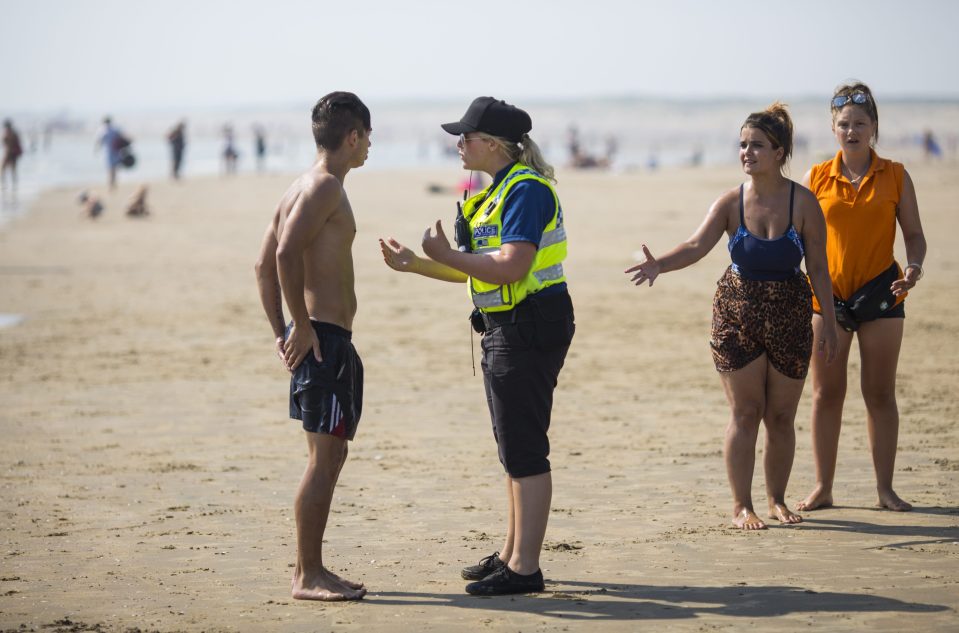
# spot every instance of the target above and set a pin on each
(148, 468)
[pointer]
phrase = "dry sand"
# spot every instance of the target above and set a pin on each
(148, 467)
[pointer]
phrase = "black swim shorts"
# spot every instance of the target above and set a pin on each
(897, 311)
(523, 352)
(327, 395)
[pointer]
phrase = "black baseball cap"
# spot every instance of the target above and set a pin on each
(494, 117)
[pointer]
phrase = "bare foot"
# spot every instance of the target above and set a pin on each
(817, 499)
(352, 584)
(783, 514)
(891, 501)
(747, 520)
(325, 586)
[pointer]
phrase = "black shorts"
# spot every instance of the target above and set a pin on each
(328, 396)
(523, 352)
(897, 311)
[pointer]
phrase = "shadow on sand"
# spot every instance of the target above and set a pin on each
(926, 534)
(607, 601)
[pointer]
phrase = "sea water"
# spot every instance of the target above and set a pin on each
(632, 133)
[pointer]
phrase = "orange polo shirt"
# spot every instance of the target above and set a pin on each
(860, 223)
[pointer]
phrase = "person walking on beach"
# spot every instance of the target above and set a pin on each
(863, 197)
(177, 139)
(12, 151)
(230, 153)
(512, 243)
(306, 258)
(761, 335)
(114, 142)
(259, 147)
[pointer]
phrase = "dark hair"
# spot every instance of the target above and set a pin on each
(851, 87)
(335, 116)
(776, 124)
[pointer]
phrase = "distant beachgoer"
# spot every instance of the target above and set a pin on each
(930, 147)
(612, 148)
(863, 197)
(761, 336)
(116, 146)
(230, 153)
(33, 139)
(579, 159)
(306, 258)
(467, 186)
(573, 145)
(510, 247)
(90, 204)
(652, 162)
(696, 158)
(137, 205)
(12, 151)
(259, 147)
(177, 139)
(472, 184)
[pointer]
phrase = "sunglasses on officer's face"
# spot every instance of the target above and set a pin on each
(858, 98)
(463, 140)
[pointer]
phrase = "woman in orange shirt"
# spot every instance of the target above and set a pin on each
(862, 197)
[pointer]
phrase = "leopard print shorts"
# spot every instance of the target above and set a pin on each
(752, 318)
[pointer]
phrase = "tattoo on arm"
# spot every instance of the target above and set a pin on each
(278, 305)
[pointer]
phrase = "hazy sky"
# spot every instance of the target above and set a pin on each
(98, 55)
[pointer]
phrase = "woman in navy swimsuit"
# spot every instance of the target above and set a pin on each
(761, 336)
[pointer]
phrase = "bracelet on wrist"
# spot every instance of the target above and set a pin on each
(914, 265)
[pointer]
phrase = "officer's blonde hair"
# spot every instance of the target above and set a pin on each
(525, 151)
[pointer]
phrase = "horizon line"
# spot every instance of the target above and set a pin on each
(292, 103)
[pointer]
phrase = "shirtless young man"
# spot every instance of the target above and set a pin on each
(306, 255)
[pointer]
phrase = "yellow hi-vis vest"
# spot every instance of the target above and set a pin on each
(484, 211)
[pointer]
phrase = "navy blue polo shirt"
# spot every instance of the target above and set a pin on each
(527, 209)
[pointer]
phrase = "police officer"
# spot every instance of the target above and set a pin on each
(513, 265)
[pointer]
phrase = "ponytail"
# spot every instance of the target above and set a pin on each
(527, 152)
(530, 154)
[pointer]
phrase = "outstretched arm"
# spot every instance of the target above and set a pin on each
(688, 252)
(268, 283)
(505, 266)
(404, 260)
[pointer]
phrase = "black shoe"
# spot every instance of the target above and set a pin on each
(486, 567)
(504, 581)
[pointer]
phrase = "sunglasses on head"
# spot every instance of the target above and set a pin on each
(858, 98)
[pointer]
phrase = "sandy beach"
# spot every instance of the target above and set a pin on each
(148, 466)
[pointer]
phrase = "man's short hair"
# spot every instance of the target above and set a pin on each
(335, 116)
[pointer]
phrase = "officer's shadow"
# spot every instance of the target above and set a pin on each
(576, 600)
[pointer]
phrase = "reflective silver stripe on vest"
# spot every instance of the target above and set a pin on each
(555, 236)
(549, 238)
(490, 299)
(549, 274)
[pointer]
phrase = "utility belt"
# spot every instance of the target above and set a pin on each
(550, 307)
